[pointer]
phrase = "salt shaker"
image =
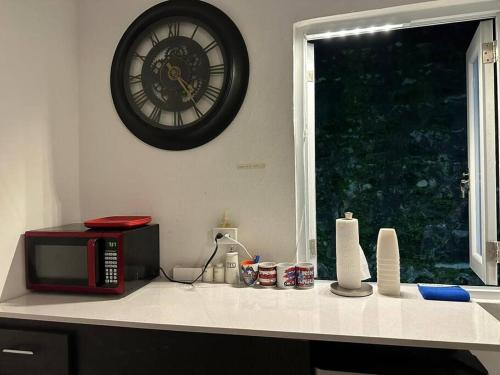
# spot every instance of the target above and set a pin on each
(208, 275)
(388, 268)
(219, 273)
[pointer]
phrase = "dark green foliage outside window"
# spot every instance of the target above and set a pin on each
(391, 146)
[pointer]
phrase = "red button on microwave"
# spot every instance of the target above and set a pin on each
(73, 258)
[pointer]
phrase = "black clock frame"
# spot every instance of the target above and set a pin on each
(223, 112)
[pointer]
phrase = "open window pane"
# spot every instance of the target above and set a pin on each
(481, 154)
(391, 146)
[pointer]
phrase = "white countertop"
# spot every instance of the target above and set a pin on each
(314, 314)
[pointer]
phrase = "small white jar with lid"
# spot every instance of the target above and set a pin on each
(219, 273)
(208, 275)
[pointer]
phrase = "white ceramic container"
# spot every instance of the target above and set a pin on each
(219, 273)
(232, 271)
(208, 275)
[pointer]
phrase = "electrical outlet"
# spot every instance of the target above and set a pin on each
(233, 233)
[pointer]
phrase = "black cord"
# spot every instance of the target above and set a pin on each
(217, 238)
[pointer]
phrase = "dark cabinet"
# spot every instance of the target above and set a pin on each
(31, 352)
(105, 350)
(31, 347)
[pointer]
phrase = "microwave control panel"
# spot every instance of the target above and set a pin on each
(111, 262)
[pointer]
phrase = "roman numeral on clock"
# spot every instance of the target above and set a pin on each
(140, 98)
(197, 111)
(178, 119)
(210, 46)
(194, 32)
(139, 56)
(154, 38)
(155, 114)
(216, 69)
(135, 79)
(212, 93)
(174, 29)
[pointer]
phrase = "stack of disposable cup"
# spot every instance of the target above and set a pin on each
(388, 267)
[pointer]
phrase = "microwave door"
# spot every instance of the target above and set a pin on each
(61, 261)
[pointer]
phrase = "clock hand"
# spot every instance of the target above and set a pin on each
(189, 94)
(188, 85)
(184, 87)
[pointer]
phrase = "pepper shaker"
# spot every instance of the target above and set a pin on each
(208, 275)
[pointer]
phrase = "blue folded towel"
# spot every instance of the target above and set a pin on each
(444, 293)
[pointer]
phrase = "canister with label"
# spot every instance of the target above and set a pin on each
(232, 270)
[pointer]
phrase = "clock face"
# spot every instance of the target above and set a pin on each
(175, 73)
(179, 74)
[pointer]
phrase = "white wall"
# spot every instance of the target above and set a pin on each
(38, 126)
(188, 191)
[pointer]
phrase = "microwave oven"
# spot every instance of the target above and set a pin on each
(73, 258)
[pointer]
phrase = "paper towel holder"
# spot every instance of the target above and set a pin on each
(365, 290)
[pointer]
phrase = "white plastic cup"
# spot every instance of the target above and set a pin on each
(388, 266)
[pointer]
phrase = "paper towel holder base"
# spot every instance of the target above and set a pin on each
(365, 290)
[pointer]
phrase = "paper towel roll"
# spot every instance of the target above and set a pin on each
(365, 270)
(348, 253)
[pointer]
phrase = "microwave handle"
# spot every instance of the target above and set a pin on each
(91, 251)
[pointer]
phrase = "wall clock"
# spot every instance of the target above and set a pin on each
(179, 74)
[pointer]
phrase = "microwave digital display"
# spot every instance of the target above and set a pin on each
(60, 262)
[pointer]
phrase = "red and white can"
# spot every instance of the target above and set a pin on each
(267, 274)
(305, 275)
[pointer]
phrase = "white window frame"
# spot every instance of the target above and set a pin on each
(407, 16)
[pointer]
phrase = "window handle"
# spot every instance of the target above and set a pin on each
(14, 351)
(464, 186)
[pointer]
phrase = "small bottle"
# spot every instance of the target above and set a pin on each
(219, 273)
(388, 268)
(208, 275)
(232, 271)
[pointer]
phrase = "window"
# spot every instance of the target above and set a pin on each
(392, 124)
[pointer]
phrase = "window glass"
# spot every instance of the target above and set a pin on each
(477, 158)
(391, 146)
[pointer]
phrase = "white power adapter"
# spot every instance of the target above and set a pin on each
(186, 273)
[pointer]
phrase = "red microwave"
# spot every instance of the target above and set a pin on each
(73, 258)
